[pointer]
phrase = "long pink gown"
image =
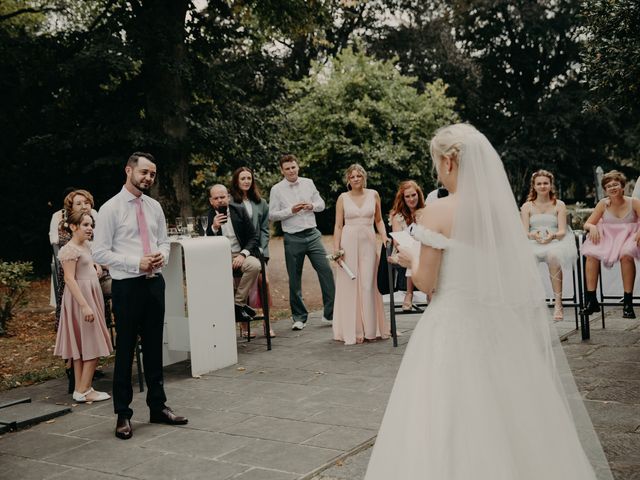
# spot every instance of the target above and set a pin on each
(77, 338)
(358, 311)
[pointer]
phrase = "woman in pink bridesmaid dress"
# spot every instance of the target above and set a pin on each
(613, 236)
(358, 311)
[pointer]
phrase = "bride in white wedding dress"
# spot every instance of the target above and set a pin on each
(484, 391)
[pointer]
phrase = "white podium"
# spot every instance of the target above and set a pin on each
(199, 311)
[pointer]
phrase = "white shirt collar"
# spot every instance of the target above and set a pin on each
(130, 196)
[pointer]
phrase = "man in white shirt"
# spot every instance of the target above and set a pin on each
(132, 241)
(294, 201)
(434, 195)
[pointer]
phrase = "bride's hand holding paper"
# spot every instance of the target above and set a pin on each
(408, 249)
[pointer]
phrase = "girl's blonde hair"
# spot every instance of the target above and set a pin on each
(358, 168)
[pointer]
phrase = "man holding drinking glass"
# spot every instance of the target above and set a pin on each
(244, 245)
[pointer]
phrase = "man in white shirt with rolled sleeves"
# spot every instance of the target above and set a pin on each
(132, 241)
(294, 202)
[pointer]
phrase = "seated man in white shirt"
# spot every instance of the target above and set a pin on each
(244, 245)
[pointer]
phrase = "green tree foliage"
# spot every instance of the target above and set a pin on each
(85, 87)
(356, 109)
(14, 284)
(303, 31)
(514, 67)
(612, 52)
(611, 55)
(83, 84)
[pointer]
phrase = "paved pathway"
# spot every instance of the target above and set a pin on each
(309, 409)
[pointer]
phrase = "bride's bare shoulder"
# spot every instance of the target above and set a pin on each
(438, 216)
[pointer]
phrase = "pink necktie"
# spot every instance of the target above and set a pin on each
(142, 227)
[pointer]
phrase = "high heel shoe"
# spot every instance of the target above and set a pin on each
(246, 334)
(558, 314)
(627, 311)
(272, 334)
(627, 306)
(591, 306)
(407, 305)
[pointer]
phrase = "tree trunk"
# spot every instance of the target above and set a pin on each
(160, 33)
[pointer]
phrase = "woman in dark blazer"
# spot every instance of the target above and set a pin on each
(245, 192)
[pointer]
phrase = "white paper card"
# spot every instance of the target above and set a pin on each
(403, 238)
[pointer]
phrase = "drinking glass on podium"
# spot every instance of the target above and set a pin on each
(204, 223)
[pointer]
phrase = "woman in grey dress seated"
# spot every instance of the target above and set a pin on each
(544, 217)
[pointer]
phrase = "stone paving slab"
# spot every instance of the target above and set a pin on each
(606, 368)
(22, 415)
(310, 408)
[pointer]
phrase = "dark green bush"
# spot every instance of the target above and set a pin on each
(14, 285)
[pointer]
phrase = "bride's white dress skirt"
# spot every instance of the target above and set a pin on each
(470, 403)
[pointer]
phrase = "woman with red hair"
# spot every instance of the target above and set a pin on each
(409, 199)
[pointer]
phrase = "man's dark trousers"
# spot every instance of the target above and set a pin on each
(138, 307)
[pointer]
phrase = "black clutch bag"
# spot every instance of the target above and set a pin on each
(398, 276)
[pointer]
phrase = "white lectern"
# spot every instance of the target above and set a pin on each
(199, 312)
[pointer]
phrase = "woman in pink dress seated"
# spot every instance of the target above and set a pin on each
(358, 312)
(613, 236)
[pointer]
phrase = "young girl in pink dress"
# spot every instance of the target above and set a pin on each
(613, 236)
(82, 334)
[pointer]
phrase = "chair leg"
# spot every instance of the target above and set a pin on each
(264, 297)
(265, 311)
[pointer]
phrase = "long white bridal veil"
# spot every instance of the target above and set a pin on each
(494, 266)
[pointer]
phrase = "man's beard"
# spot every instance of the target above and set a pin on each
(140, 187)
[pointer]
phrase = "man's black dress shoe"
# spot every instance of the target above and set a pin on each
(123, 428)
(167, 416)
(241, 315)
(249, 311)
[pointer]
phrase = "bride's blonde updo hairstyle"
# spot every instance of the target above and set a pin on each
(448, 141)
